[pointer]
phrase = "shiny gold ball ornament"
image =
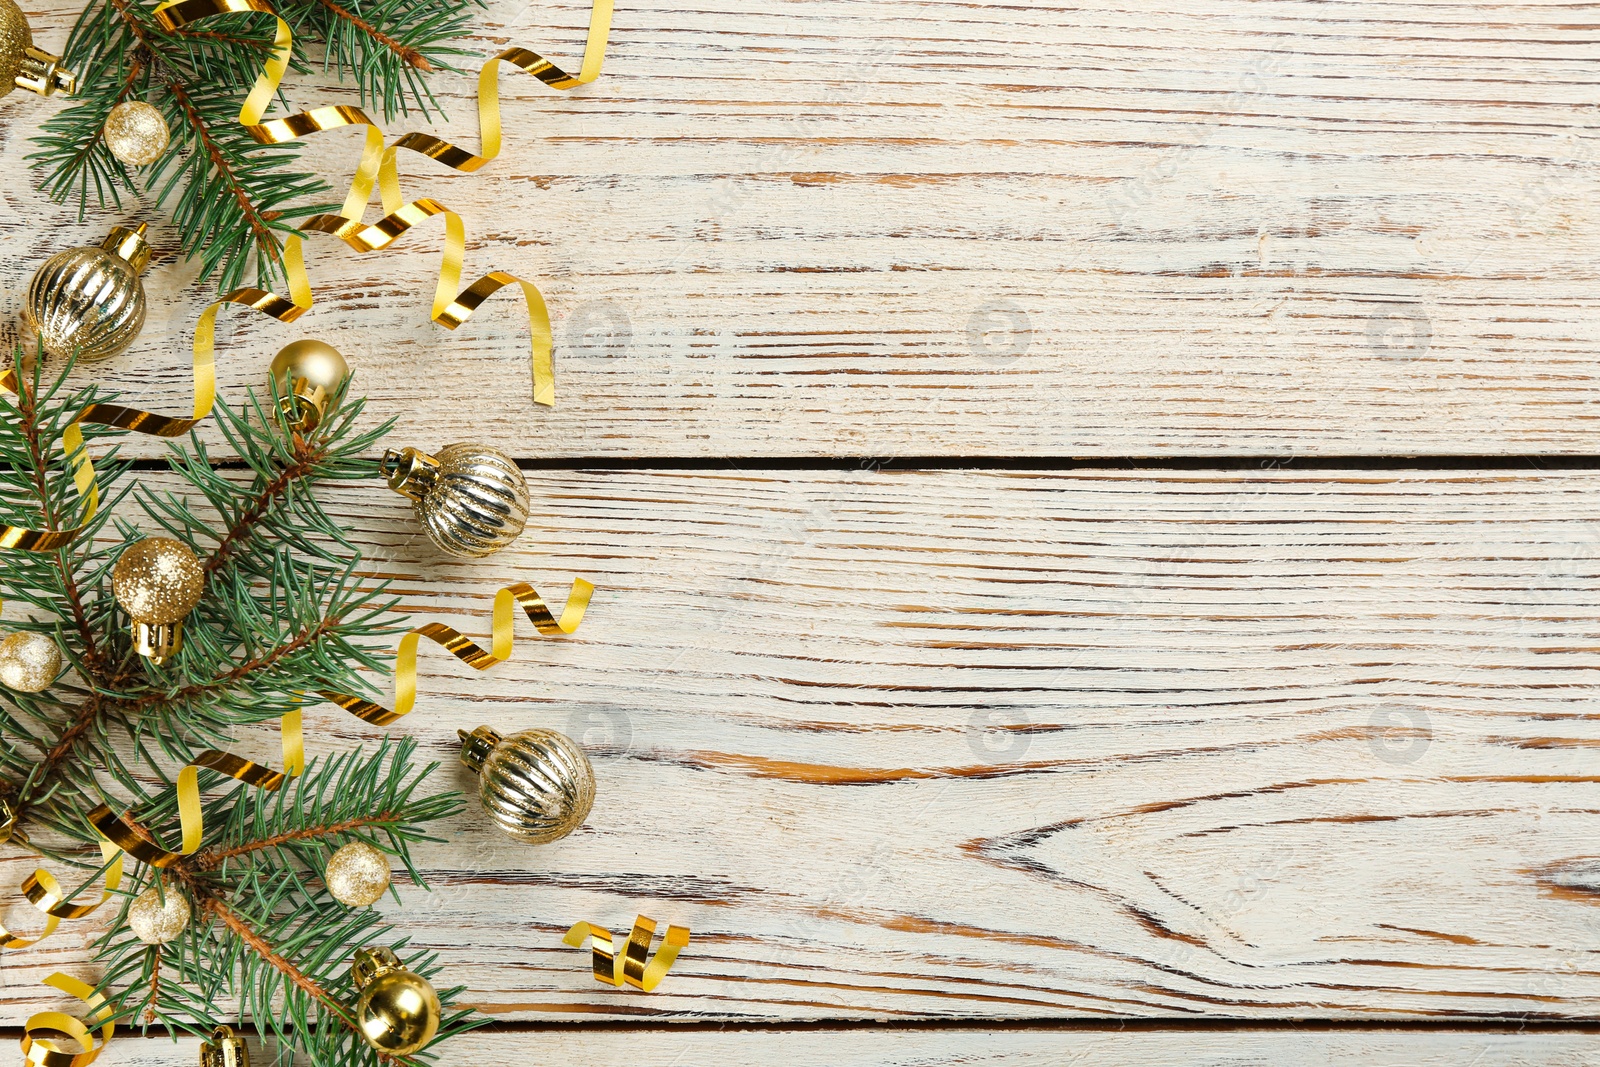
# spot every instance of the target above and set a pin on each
(472, 500)
(157, 581)
(29, 661)
(537, 785)
(156, 916)
(307, 375)
(90, 301)
(398, 1012)
(22, 66)
(357, 874)
(225, 1049)
(136, 133)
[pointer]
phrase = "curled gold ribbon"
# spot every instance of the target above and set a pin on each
(72, 446)
(43, 1051)
(44, 892)
(452, 305)
(614, 968)
(506, 601)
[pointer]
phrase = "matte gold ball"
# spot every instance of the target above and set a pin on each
(154, 921)
(318, 362)
(398, 1012)
(136, 133)
(29, 662)
(358, 874)
(157, 581)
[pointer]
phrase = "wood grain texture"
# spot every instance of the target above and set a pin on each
(960, 1048)
(869, 228)
(1022, 745)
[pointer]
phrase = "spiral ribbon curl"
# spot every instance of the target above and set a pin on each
(452, 305)
(43, 1051)
(615, 968)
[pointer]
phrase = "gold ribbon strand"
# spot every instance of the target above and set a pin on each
(614, 968)
(452, 305)
(40, 1034)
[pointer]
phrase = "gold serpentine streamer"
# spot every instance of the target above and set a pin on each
(43, 1051)
(506, 601)
(614, 968)
(452, 305)
(72, 447)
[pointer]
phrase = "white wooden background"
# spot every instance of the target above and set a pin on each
(907, 742)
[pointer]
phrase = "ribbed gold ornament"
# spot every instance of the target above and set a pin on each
(537, 785)
(29, 661)
(90, 301)
(23, 66)
(398, 1011)
(472, 500)
(136, 133)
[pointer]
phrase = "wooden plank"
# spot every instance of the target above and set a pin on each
(857, 1048)
(846, 227)
(998, 744)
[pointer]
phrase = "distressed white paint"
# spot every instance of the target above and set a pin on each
(878, 228)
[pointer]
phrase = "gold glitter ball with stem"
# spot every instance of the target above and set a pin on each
(22, 66)
(158, 581)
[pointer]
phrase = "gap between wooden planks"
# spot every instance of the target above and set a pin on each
(873, 228)
(1027, 745)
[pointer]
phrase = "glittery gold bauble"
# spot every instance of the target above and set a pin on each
(307, 375)
(23, 66)
(29, 662)
(537, 785)
(154, 921)
(225, 1049)
(136, 133)
(358, 874)
(398, 1012)
(472, 500)
(157, 580)
(89, 301)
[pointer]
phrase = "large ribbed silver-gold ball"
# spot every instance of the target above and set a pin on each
(89, 301)
(472, 499)
(537, 785)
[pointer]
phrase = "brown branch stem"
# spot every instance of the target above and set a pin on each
(408, 55)
(215, 857)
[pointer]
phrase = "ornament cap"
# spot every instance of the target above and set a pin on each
(130, 245)
(373, 963)
(411, 472)
(158, 642)
(476, 746)
(43, 73)
(8, 818)
(225, 1049)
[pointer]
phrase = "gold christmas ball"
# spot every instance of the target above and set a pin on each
(154, 921)
(398, 1012)
(537, 785)
(358, 874)
(472, 499)
(29, 662)
(307, 375)
(89, 301)
(22, 66)
(157, 581)
(136, 133)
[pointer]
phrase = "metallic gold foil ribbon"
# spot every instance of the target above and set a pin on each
(43, 1051)
(72, 446)
(614, 968)
(45, 893)
(452, 305)
(506, 601)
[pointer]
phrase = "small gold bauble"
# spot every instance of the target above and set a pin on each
(398, 1012)
(472, 499)
(357, 874)
(225, 1049)
(537, 785)
(157, 580)
(154, 921)
(136, 133)
(307, 374)
(29, 662)
(22, 66)
(89, 302)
